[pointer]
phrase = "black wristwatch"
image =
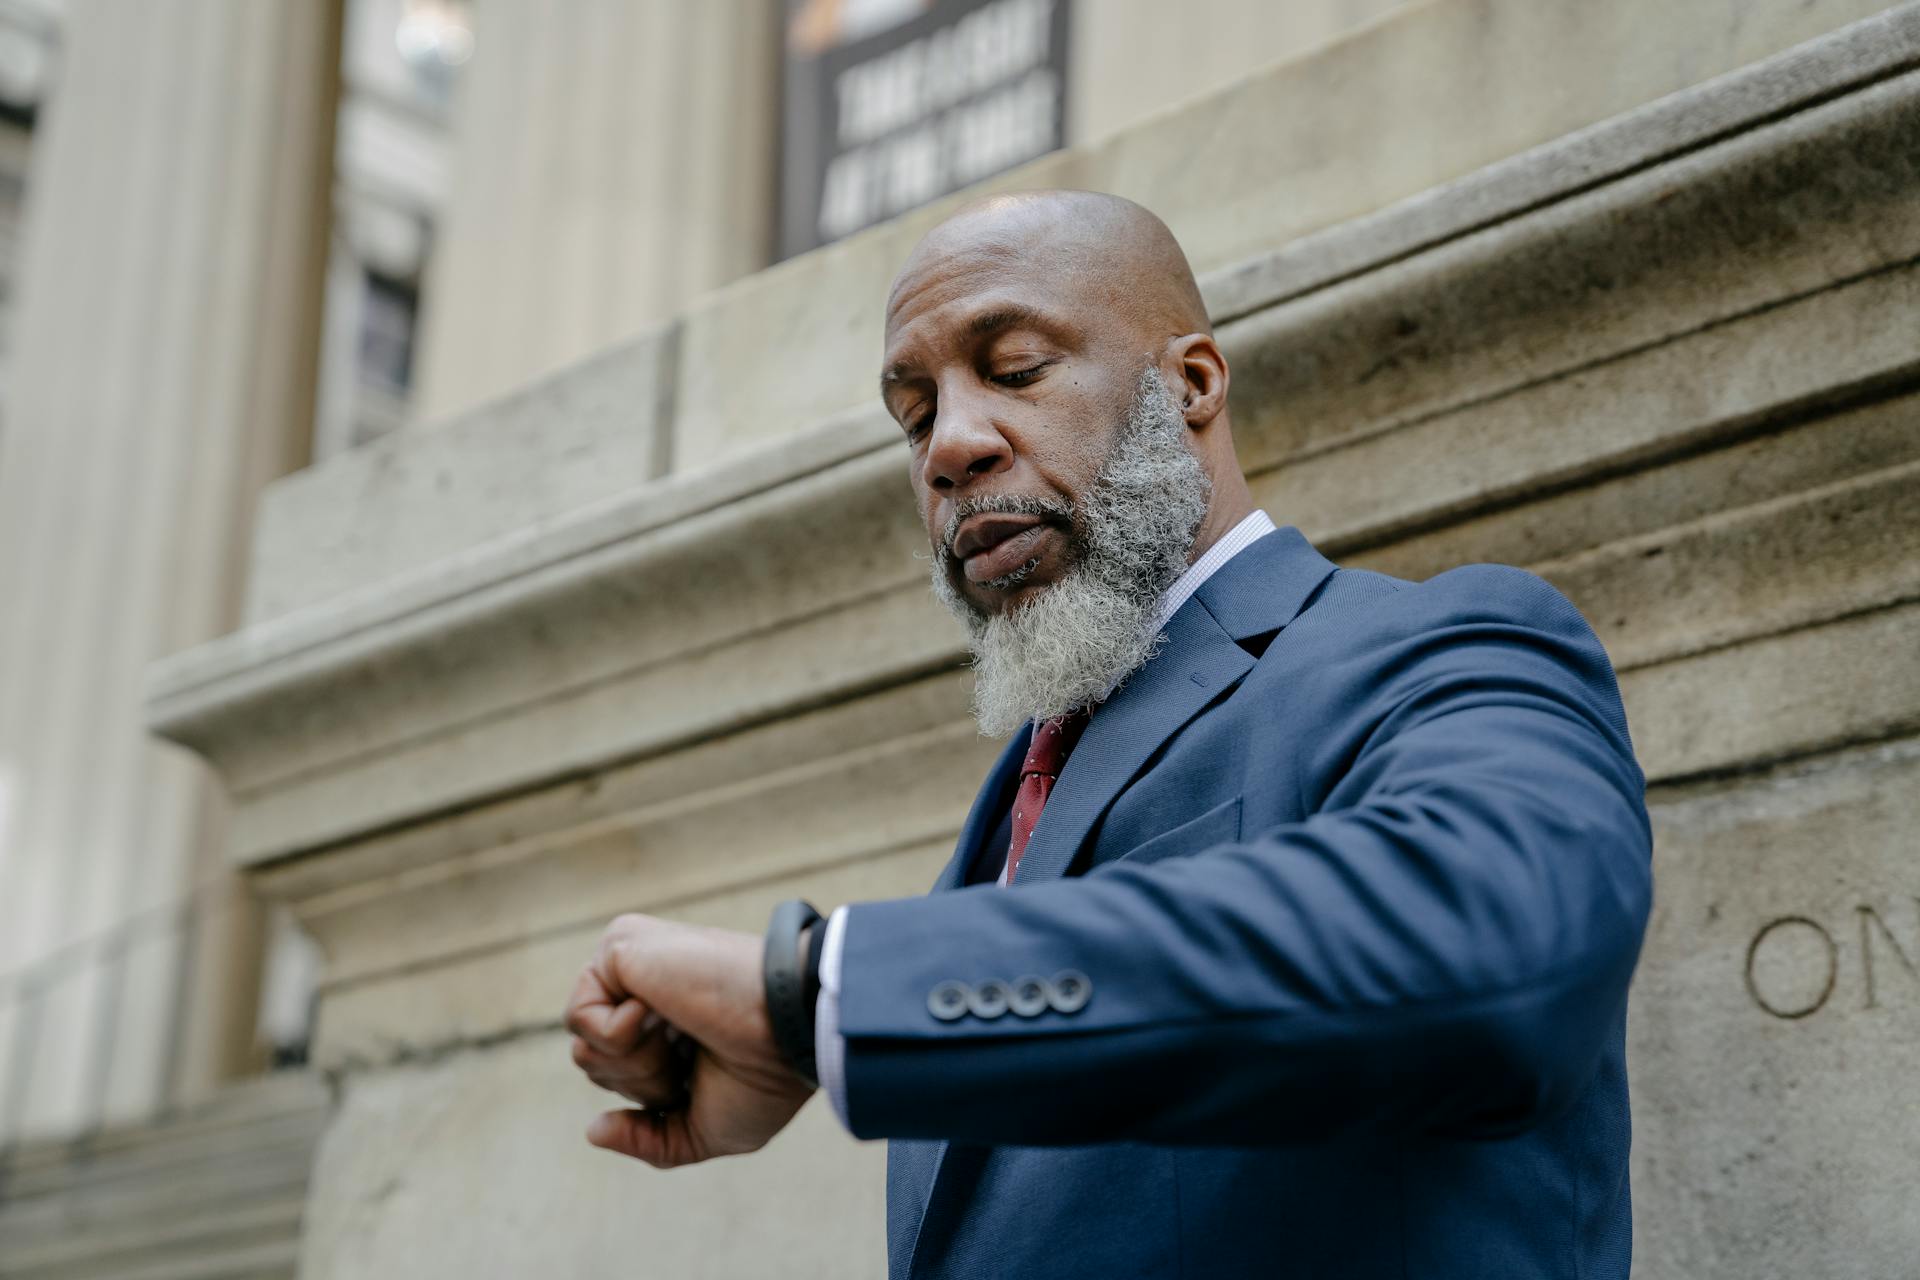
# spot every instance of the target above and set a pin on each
(792, 973)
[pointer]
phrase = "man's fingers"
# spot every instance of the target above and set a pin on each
(609, 1020)
(629, 1022)
(659, 1139)
(624, 1028)
(653, 1054)
(589, 1005)
(585, 1056)
(652, 1076)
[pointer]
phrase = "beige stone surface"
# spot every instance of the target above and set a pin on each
(1774, 1022)
(451, 933)
(651, 707)
(474, 1164)
(1856, 679)
(520, 820)
(908, 790)
(1379, 480)
(463, 1000)
(1121, 70)
(471, 586)
(1837, 551)
(1797, 454)
(404, 503)
(1567, 340)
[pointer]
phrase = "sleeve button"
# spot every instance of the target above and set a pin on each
(989, 1000)
(1030, 997)
(948, 1000)
(1071, 990)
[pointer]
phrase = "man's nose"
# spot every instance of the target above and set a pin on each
(966, 444)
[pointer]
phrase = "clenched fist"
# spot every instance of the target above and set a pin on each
(673, 1017)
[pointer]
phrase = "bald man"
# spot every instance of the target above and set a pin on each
(1291, 933)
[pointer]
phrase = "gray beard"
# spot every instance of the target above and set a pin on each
(1074, 643)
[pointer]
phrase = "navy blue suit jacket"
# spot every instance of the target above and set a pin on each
(1357, 871)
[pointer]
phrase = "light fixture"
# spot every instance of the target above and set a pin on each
(434, 35)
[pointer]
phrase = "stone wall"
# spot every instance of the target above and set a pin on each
(1669, 360)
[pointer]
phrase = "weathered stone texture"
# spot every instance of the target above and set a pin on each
(464, 999)
(1854, 679)
(374, 513)
(474, 1164)
(1808, 448)
(1775, 1022)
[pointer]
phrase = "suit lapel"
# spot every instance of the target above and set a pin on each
(1198, 663)
(1258, 592)
(1266, 586)
(988, 804)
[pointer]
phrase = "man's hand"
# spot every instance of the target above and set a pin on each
(651, 975)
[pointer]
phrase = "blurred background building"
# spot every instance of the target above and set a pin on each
(442, 505)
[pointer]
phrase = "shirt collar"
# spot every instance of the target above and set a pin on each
(1237, 539)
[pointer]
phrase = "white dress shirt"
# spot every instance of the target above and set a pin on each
(830, 1047)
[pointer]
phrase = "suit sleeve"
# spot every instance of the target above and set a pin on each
(1443, 947)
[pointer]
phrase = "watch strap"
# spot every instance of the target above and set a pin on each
(786, 971)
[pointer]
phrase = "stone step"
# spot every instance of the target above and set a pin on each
(211, 1192)
(79, 1165)
(238, 1105)
(275, 1260)
(155, 1201)
(205, 1233)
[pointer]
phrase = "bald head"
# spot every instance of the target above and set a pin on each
(1091, 249)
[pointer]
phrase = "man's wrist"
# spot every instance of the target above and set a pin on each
(791, 968)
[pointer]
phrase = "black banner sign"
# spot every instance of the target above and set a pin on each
(892, 103)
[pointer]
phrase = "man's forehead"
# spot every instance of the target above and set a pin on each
(969, 295)
(972, 316)
(940, 275)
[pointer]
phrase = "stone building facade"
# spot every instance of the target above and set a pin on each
(1626, 294)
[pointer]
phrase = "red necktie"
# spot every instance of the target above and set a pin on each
(1052, 739)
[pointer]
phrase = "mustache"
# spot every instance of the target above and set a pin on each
(1054, 510)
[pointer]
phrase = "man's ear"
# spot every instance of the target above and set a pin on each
(1201, 381)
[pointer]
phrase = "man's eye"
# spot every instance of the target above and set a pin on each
(919, 427)
(1019, 377)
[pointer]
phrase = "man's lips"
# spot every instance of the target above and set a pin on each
(993, 546)
(988, 529)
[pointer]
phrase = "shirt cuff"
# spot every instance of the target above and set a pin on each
(829, 1046)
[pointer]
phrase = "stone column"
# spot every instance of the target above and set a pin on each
(606, 169)
(166, 333)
